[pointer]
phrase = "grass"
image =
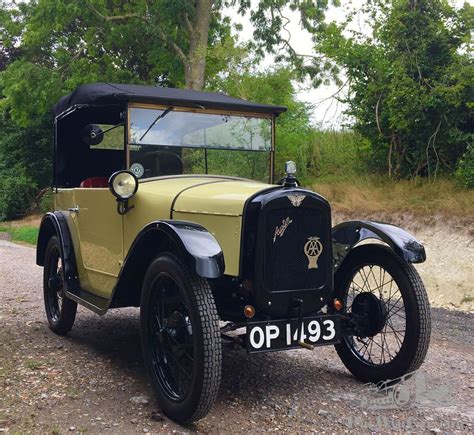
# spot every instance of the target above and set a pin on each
(25, 234)
(372, 194)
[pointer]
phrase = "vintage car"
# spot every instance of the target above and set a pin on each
(165, 199)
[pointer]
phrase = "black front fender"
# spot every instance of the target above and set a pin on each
(199, 247)
(191, 242)
(348, 234)
(196, 246)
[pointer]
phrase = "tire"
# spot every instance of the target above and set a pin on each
(180, 338)
(405, 306)
(60, 311)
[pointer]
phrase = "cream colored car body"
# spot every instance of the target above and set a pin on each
(102, 237)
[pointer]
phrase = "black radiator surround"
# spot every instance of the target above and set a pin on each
(278, 265)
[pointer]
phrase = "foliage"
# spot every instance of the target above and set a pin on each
(29, 148)
(410, 83)
(46, 202)
(317, 153)
(271, 34)
(275, 87)
(465, 171)
(26, 234)
(16, 190)
(338, 155)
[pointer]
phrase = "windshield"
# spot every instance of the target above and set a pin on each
(169, 141)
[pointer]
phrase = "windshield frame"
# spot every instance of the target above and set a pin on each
(189, 109)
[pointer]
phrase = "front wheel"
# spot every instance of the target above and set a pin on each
(374, 281)
(180, 339)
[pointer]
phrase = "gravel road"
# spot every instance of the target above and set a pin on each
(94, 381)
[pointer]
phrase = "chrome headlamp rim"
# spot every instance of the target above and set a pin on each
(112, 187)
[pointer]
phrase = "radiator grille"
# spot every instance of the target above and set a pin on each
(287, 231)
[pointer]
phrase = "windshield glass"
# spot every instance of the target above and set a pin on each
(170, 141)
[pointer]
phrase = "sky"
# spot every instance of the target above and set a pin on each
(327, 112)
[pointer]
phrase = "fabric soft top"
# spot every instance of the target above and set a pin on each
(107, 94)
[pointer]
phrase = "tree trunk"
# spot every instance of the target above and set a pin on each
(198, 31)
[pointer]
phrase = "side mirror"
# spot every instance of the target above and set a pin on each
(92, 134)
(123, 185)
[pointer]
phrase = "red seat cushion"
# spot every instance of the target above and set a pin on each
(96, 182)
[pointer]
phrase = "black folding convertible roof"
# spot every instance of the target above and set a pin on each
(108, 94)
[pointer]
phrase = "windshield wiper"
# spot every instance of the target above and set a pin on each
(160, 116)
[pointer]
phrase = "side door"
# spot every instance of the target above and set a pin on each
(100, 234)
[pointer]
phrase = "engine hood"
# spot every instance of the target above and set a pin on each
(225, 197)
(209, 195)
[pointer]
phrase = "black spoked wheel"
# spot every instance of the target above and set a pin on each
(180, 339)
(379, 287)
(60, 311)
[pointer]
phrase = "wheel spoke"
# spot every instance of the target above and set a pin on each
(176, 360)
(182, 345)
(366, 278)
(384, 346)
(171, 340)
(399, 308)
(377, 284)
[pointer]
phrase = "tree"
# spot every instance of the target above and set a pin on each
(185, 27)
(188, 28)
(270, 19)
(49, 47)
(275, 87)
(410, 83)
(63, 44)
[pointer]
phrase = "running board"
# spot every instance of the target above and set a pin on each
(95, 303)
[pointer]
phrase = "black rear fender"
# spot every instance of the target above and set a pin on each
(55, 224)
(348, 234)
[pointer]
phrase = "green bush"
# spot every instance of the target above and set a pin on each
(465, 169)
(16, 193)
(338, 154)
(46, 203)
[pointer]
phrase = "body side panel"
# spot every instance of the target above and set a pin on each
(96, 231)
(153, 202)
(226, 230)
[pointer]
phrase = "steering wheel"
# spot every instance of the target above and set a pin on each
(169, 163)
(159, 163)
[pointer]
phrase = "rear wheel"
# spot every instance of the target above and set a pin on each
(180, 339)
(396, 332)
(60, 311)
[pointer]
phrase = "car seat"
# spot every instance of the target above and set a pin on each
(95, 182)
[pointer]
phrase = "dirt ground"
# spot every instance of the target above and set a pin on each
(93, 380)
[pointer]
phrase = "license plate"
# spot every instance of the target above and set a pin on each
(283, 334)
